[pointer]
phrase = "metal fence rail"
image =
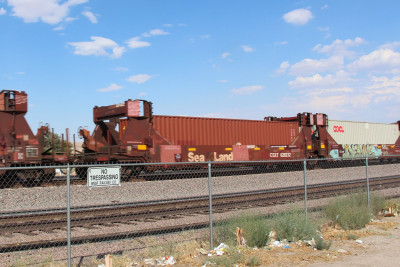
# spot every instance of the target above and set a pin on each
(51, 208)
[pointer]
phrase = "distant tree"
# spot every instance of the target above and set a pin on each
(48, 143)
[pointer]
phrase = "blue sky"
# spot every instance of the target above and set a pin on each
(231, 59)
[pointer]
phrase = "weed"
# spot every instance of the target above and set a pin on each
(351, 237)
(255, 231)
(378, 203)
(231, 259)
(253, 261)
(292, 225)
(352, 212)
(321, 244)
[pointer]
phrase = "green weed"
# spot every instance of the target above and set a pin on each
(292, 226)
(352, 211)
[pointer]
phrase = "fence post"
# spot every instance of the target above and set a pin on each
(305, 186)
(69, 214)
(366, 173)
(210, 205)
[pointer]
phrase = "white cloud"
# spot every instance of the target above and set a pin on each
(283, 67)
(382, 60)
(142, 93)
(139, 78)
(324, 7)
(121, 69)
(331, 90)
(158, 32)
(91, 17)
(112, 87)
(168, 25)
(310, 66)
(225, 55)
(328, 102)
(319, 81)
(100, 46)
(247, 48)
(349, 85)
(384, 88)
(136, 43)
(222, 81)
(2, 11)
(391, 46)
(247, 90)
(48, 11)
(322, 29)
(298, 16)
(282, 43)
(59, 28)
(69, 19)
(384, 82)
(340, 47)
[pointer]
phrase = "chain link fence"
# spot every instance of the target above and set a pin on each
(50, 215)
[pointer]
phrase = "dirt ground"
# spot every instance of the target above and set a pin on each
(380, 247)
(376, 245)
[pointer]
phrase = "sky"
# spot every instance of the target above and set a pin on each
(226, 58)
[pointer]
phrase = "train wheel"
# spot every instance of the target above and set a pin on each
(48, 175)
(30, 178)
(81, 173)
(126, 173)
(7, 179)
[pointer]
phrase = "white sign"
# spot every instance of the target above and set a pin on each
(102, 176)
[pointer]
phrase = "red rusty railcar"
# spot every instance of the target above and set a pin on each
(18, 145)
(214, 139)
(125, 133)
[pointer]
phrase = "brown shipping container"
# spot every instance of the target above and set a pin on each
(212, 131)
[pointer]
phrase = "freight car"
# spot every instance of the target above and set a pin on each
(360, 139)
(129, 132)
(19, 147)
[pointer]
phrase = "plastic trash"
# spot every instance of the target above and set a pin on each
(272, 236)
(279, 244)
(221, 249)
(311, 242)
(167, 261)
(358, 241)
(149, 262)
(202, 251)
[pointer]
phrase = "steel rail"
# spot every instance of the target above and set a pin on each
(126, 213)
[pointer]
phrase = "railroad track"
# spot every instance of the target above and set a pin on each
(233, 169)
(32, 222)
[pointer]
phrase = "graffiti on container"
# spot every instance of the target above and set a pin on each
(334, 153)
(357, 150)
